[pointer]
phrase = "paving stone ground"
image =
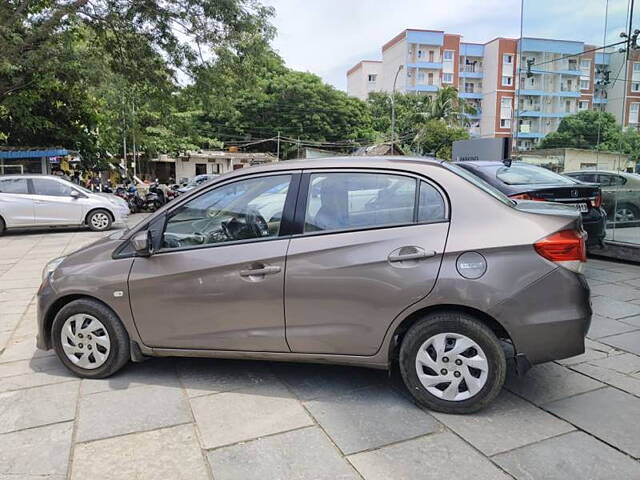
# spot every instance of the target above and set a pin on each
(222, 419)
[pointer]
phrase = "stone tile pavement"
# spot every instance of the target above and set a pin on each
(202, 419)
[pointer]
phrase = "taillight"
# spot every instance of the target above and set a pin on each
(526, 196)
(597, 201)
(566, 248)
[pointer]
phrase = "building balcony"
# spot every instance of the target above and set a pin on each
(599, 100)
(529, 91)
(470, 95)
(422, 88)
(462, 74)
(529, 112)
(521, 134)
(426, 65)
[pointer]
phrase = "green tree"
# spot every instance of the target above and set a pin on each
(436, 138)
(586, 129)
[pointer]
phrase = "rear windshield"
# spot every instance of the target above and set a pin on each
(478, 182)
(530, 175)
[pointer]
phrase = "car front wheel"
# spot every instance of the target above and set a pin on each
(89, 339)
(452, 363)
(99, 220)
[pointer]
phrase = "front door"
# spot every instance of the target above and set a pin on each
(54, 205)
(217, 282)
(370, 248)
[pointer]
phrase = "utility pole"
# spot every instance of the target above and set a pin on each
(393, 110)
(278, 148)
(298, 156)
(133, 135)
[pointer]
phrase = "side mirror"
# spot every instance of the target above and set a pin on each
(75, 194)
(142, 243)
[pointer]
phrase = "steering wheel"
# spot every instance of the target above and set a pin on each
(257, 223)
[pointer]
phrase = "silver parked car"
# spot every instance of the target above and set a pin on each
(49, 201)
(370, 261)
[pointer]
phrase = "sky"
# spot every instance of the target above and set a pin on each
(327, 37)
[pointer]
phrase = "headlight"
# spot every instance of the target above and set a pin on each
(51, 267)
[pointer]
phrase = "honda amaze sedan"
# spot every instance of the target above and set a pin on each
(47, 201)
(370, 261)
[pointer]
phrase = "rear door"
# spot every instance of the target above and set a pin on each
(371, 244)
(54, 205)
(16, 204)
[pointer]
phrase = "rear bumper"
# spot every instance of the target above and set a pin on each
(595, 226)
(549, 319)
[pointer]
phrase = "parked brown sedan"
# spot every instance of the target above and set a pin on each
(369, 261)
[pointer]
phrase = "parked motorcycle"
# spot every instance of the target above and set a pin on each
(155, 198)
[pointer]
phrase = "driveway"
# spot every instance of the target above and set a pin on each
(202, 419)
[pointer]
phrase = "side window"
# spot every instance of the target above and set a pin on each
(618, 180)
(338, 201)
(14, 185)
(45, 186)
(605, 180)
(247, 209)
(431, 206)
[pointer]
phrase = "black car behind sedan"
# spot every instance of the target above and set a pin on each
(522, 181)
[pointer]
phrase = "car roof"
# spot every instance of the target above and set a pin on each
(351, 161)
(492, 163)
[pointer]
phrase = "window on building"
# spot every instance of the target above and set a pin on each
(448, 55)
(430, 79)
(505, 112)
(507, 59)
(507, 80)
(635, 87)
(567, 106)
(372, 77)
(584, 84)
(583, 105)
(634, 108)
(420, 77)
(431, 55)
(636, 66)
(585, 64)
(447, 78)
(420, 53)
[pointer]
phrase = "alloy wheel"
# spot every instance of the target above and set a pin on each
(451, 366)
(625, 215)
(85, 341)
(100, 220)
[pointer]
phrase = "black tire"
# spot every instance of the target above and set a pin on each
(102, 226)
(3, 226)
(629, 208)
(119, 353)
(455, 323)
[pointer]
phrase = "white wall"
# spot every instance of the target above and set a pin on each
(358, 84)
(489, 83)
(392, 58)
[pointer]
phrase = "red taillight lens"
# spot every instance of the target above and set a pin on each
(597, 202)
(526, 196)
(564, 246)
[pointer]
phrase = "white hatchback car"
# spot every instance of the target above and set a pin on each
(48, 201)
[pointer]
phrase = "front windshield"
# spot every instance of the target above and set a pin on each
(530, 175)
(478, 182)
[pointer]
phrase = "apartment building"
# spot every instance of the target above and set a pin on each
(508, 98)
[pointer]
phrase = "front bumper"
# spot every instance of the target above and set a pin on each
(549, 319)
(121, 214)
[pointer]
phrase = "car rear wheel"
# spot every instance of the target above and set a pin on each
(627, 213)
(3, 226)
(452, 363)
(89, 339)
(99, 220)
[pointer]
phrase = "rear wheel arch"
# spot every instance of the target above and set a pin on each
(396, 339)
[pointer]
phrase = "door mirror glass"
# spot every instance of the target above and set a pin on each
(75, 194)
(141, 242)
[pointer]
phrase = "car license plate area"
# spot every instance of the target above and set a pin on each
(582, 207)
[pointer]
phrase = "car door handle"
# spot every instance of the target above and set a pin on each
(410, 253)
(266, 270)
